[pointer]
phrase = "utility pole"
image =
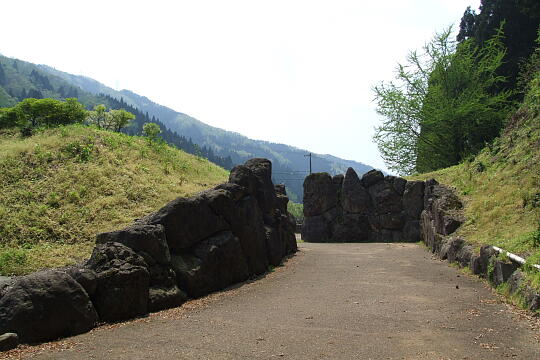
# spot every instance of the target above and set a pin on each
(309, 155)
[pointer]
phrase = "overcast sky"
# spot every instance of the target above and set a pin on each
(295, 72)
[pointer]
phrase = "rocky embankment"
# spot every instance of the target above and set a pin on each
(441, 217)
(189, 248)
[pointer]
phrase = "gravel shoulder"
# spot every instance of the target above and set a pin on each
(329, 301)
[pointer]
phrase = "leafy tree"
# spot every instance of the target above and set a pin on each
(119, 119)
(151, 130)
(114, 120)
(31, 113)
(97, 116)
(520, 19)
(441, 109)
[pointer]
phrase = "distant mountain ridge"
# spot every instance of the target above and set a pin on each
(289, 163)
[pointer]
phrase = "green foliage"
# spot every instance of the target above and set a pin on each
(297, 210)
(151, 131)
(33, 113)
(114, 120)
(441, 110)
(11, 260)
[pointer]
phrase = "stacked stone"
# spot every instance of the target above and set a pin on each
(345, 208)
(189, 248)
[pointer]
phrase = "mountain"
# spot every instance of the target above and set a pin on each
(290, 163)
(20, 80)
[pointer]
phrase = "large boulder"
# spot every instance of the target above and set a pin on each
(384, 197)
(275, 245)
(256, 176)
(245, 219)
(214, 264)
(122, 282)
(281, 198)
(145, 239)
(44, 306)
(413, 199)
(354, 197)
(320, 194)
(186, 222)
(163, 292)
(372, 177)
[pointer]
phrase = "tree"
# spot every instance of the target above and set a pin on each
(520, 19)
(114, 120)
(151, 130)
(119, 119)
(441, 109)
(97, 116)
(31, 113)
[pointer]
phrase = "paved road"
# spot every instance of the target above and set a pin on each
(330, 301)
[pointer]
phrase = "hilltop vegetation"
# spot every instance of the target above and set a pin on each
(63, 185)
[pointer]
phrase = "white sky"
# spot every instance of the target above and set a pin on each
(298, 72)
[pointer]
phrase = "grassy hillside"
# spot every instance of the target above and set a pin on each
(501, 187)
(62, 186)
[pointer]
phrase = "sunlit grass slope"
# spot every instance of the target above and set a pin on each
(501, 189)
(62, 186)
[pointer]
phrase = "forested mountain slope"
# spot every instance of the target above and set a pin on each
(290, 164)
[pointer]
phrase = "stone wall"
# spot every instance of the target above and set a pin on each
(189, 248)
(441, 217)
(375, 208)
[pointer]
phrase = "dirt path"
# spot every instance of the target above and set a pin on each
(330, 301)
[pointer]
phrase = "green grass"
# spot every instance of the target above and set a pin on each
(62, 186)
(501, 190)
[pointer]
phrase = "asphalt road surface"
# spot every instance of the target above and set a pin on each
(330, 301)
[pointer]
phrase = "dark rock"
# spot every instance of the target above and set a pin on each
(399, 185)
(315, 229)
(236, 191)
(256, 175)
(245, 219)
(85, 277)
(515, 281)
(8, 341)
(391, 221)
(44, 306)
(186, 221)
(384, 198)
(411, 231)
(479, 264)
(338, 180)
(142, 238)
(354, 197)
(450, 224)
(413, 199)
(122, 282)
(161, 297)
(281, 198)
(216, 263)
(502, 271)
(372, 177)
(450, 248)
(464, 255)
(532, 298)
(319, 194)
(275, 247)
(352, 228)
